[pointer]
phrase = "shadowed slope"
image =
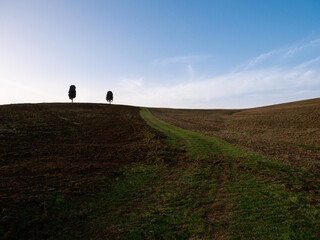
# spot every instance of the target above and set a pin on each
(55, 157)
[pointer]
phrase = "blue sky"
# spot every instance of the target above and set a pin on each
(183, 54)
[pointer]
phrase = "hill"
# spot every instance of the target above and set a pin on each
(100, 171)
(289, 131)
(63, 152)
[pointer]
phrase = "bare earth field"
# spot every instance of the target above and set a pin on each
(290, 132)
(53, 153)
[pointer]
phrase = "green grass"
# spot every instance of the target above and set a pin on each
(51, 219)
(269, 200)
(199, 188)
(216, 191)
(158, 201)
(311, 147)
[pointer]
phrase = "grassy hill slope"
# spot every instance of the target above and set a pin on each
(289, 131)
(240, 194)
(98, 171)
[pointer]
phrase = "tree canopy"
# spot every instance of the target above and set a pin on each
(72, 92)
(109, 96)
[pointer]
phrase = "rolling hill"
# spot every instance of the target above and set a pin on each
(63, 152)
(99, 171)
(289, 131)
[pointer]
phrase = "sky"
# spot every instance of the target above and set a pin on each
(160, 53)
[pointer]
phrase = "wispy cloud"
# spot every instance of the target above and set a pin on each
(252, 63)
(206, 94)
(190, 70)
(264, 80)
(308, 63)
(187, 59)
(284, 56)
(297, 48)
(222, 91)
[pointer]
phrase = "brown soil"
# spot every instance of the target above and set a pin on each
(290, 131)
(74, 149)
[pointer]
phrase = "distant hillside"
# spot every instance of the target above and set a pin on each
(296, 115)
(290, 131)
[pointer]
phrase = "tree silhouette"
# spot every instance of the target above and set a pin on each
(72, 92)
(109, 97)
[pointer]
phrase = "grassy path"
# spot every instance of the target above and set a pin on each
(214, 190)
(265, 199)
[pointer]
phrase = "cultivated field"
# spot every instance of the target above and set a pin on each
(290, 131)
(55, 160)
(98, 171)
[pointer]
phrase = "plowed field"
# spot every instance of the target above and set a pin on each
(51, 154)
(290, 131)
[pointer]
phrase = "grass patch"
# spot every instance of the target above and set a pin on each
(51, 218)
(312, 147)
(158, 201)
(271, 200)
